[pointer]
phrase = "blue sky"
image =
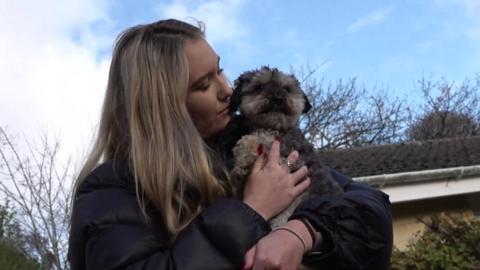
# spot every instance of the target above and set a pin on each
(55, 53)
(389, 43)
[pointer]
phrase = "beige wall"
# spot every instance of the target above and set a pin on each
(406, 215)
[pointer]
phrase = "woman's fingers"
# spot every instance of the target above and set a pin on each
(274, 158)
(274, 154)
(271, 185)
(289, 163)
(302, 186)
(299, 175)
(249, 258)
(293, 157)
(259, 163)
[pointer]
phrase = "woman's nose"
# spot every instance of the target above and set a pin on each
(225, 90)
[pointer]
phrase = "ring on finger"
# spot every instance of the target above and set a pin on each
(290, 164)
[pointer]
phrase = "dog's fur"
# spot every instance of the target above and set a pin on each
(270, 104)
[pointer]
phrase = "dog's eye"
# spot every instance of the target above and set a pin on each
(288, 89)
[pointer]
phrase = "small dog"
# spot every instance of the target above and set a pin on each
(270, 104)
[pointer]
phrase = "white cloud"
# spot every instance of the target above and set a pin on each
(373, 18)
(225, 29)
(52, 79)
(222, 17)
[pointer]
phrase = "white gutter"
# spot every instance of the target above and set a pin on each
(456, 173)
(426, 184)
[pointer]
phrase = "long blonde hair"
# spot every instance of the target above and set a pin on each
(145, 121)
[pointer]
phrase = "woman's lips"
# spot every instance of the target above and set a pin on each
(223, 111)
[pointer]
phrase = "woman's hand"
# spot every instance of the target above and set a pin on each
(280, 249)
(271, 187)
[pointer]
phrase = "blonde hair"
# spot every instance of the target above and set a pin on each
(145, 121)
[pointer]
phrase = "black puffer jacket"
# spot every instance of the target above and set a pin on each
(109, 232)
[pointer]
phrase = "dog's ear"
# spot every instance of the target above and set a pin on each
(242, 81)
(307, 106)
(235, 100)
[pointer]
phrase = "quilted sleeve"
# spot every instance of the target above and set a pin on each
(108, 233)
(356, 227)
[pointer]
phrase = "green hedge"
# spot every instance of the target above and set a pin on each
(13, 259)
(449, 242)
(12, 243)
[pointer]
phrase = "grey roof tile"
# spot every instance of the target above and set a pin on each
(404, 157)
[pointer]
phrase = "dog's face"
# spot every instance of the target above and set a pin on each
(269, 98)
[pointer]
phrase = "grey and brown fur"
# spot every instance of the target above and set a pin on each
(272, 102)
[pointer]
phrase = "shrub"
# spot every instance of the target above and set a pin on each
(449, 242)
(13, 254)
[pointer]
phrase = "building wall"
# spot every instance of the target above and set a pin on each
(406, 215)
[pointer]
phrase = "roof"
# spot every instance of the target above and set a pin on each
(404, 157)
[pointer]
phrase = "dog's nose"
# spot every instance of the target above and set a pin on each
(278, 103)
(278, 96)
(277, 99)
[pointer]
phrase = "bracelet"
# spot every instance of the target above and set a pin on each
(294, 233)
(310, 230)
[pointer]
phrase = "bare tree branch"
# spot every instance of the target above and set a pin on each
(38, 189)
(343, 115)
(449, 110)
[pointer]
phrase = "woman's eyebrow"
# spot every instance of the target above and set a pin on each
(197, 81)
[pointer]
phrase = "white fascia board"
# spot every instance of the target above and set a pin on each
(429, 190)
(419, 185)
(408, 178)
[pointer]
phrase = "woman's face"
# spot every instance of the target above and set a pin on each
(208, 90)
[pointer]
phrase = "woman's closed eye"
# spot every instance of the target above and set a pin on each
(206, 83)
(203, 84)
(203, 87)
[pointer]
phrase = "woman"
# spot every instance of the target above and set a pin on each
(161, 198)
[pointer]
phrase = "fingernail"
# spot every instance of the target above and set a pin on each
(260, 149)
